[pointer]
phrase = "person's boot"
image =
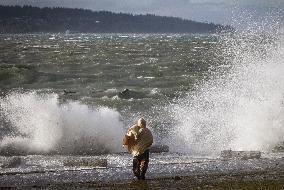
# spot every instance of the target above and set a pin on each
(142, 177)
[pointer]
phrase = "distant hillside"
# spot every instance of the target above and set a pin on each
(27, 19)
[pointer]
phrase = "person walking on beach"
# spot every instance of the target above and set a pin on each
(137, 141)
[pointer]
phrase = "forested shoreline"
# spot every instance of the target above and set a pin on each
(28, 19)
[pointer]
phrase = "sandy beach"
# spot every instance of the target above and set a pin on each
(240, 180)
(263, 173)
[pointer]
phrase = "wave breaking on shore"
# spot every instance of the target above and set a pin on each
(34, 123)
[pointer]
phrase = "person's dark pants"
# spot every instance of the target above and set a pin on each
(140, 165)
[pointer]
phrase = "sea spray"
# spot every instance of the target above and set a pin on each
(36, 123)
(240, 105)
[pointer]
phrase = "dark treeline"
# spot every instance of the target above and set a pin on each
(17, 19)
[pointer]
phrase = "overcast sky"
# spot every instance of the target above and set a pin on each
(217, 11)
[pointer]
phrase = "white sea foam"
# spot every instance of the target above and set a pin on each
(154, 91)
(39, 124)
(241, 106)
(111, 90)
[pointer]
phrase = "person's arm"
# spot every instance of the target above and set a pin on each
(133, 131)
(125, 140)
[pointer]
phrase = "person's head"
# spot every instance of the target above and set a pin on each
(141, 122)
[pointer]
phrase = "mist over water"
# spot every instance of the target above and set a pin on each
(37, 123)
(240, 106)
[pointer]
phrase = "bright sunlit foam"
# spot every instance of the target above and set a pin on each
(37, 123)
(241, 106)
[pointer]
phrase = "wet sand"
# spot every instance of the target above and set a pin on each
(240, 180)
(168, 171)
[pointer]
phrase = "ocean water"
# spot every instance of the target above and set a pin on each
(65, 93)
(73, 96)
(199, 93)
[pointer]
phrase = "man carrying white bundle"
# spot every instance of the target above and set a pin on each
(137, 141)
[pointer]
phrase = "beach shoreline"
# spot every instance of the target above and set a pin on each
(164, 173)
(269, 179)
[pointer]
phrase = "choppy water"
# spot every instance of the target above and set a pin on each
(63, 95)
(69, 86)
